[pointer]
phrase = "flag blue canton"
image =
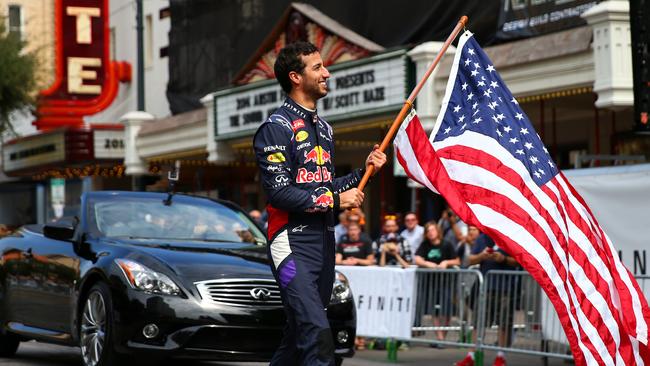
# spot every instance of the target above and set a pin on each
(482, 103)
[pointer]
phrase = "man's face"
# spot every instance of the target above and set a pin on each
(410, 221)
(390, 226)
(314, 76)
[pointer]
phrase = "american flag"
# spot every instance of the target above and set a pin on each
(490, 165)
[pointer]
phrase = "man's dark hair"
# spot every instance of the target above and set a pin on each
(289, 60)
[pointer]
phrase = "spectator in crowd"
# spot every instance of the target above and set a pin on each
(354, 250)
(453, 228)
(500, 304)
(414, 232)
(356, 216)
(341, 228)
(436, 253)
(464, 249)
(393, 249)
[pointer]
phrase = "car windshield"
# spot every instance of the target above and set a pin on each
(185, 219)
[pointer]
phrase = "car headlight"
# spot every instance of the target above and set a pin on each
(341, 289)
(146, 279)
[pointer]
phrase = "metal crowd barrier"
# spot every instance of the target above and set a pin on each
(517, 317)
(445, 307)
(501, 311)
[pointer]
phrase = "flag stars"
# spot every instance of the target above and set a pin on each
(490, 68)
(463, 126)
(467, 61)
(470, 96)
(528, 145)
(499, 132)
(545, 150)
(464, 86)
(488, 93)
(500, 116)
(475, 105)
(477, 120)
(523, 131)
(456, 109)
(447, 130)
(470, 51)
(514, 101)
(539, 176)
(519, 117)
(481, 83)
(514, 140)
(550, 163)
(494, 84)
(477, 65)
(474, 73)
(507, 129)
(533, 159)
(495, 119)
(541, 171)
(493, 105)
(519, 152)
(461, 119)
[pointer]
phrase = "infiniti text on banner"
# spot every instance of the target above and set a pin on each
(384, 297)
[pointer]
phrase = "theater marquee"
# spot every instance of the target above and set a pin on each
(358, 88)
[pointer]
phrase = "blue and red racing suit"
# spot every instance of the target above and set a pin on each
(295, 151)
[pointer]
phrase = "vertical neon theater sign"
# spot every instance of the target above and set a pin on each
(86, 80)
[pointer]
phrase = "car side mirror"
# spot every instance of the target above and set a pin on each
(62, 229)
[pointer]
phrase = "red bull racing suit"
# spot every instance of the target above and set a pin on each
(294, 150)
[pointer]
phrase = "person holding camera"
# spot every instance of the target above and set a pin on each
(393, 249)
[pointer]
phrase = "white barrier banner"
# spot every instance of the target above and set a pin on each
(385, 299)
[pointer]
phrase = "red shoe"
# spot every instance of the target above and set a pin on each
(467, 361)
(499, 361)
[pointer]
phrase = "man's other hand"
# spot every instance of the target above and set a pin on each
(376, 158)
(352, 198)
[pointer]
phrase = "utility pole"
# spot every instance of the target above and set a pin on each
(138, 181)
(140, 35)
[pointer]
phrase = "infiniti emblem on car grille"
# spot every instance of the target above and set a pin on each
(260, 293)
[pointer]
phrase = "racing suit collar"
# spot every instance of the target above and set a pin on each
(303, 112)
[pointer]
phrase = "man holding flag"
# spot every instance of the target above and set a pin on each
(295, 152)
(485, 158)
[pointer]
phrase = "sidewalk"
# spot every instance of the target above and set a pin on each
(421, 355)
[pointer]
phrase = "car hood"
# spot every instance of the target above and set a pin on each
(199, 261)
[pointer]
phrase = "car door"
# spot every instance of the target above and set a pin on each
(56, 266)
(19, 281)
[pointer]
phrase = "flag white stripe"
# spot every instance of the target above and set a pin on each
(641, 326)
(507, 227)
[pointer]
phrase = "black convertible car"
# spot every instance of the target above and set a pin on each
(147, 274)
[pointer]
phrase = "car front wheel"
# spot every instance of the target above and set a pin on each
(96, 328)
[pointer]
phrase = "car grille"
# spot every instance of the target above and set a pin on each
(240, 292)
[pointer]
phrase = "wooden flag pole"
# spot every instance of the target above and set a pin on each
(409, 102)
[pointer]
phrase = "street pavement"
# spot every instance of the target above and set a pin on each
(33, 353)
